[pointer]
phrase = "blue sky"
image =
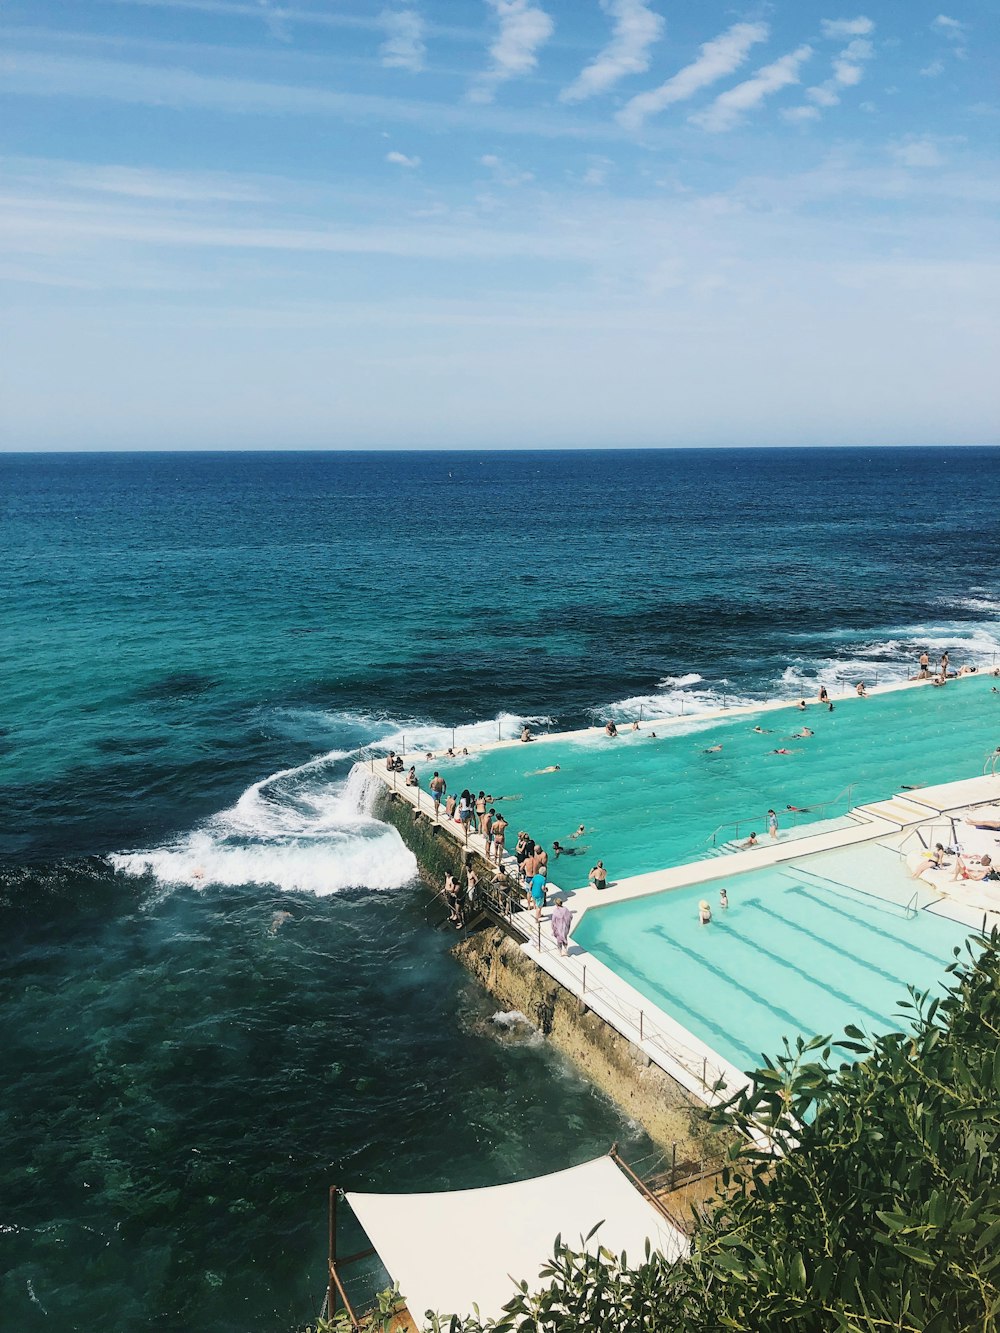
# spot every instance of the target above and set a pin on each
(334, 224)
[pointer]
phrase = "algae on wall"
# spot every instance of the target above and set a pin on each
(670, 1114)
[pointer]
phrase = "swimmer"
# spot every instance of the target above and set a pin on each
(278, 920)
(652, 734)
(580, 832)
(798, 809)
(559, 850)
(803, 734)
(783, 751)
(751, 841)
(552, 768)
(704, 912)
(635, 726)
(763, 731)
(801, 705)
(197, 873)
(610, 729)
(712, 749)
(724, 900)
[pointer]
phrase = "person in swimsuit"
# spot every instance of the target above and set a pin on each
(579, 833)
(712, 749)
(599, 877)
(862, 691)
(610, 729)
(526, 734)
(801, 705)
(824, 698)
(772, 825)
(480, 811)
(704, 913)
(752, 841)
(724, 899)
(438, 789)
(925, 663)
(499, 829)
(411, 778)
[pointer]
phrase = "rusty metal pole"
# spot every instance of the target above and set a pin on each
(331, 1295)
(640, 1025)
(584, 989)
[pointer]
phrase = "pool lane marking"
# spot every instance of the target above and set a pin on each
(854, 1004)
(626, 970)
(828, 944)
(858, 920)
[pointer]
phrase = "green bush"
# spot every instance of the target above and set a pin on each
(871, 1202)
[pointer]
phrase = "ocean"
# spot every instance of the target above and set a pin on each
(223, 989)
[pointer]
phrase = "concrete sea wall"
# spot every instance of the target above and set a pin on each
(670, 1115)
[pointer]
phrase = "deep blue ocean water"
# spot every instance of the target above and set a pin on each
(194, 647)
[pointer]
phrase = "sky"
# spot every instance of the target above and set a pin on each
(498, 223)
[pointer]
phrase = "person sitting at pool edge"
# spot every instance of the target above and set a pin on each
(984, 870)
(610, 728)
(599, 876)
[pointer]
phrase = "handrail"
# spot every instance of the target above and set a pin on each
(790, 815)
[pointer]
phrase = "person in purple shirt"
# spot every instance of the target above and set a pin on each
(560, 921)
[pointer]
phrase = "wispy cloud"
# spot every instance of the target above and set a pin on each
(505, 174)
(847, 65)
(524, 29)
(401, 159)
(840, 28)
(717, 58)
(920, 151)
(636, 29)
(953, 31)
(30, 74)
(730, 107)
(403, 47)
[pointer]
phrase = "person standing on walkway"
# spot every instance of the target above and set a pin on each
(561, 920)
(438, 788)
(772, 825)
(487, 831)
(945, 659)
(537, 890)
(499, 829)
(925, 666)
(480, 811)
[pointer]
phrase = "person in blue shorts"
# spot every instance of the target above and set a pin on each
(537, 890)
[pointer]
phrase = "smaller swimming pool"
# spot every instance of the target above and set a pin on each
(794, 955)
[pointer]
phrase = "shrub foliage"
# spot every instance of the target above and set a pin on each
(870, 1201)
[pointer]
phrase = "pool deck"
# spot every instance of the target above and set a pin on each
(893, 822)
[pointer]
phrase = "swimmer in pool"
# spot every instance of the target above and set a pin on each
(559, 850)
(724, 900)
(782, 751)
(704, 913)
(580, 832)
(763, 731)
(712, 749)
(552, 768)
(803, 734)
(751, 841)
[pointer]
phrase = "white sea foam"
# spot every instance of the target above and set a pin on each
(674, 702)
(306, 828)
(511, 1018)
(678, 682)
(310, 827)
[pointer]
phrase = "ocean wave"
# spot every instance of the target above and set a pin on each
(678, 682)
(310, 827)
(672, 703)
(301, 829)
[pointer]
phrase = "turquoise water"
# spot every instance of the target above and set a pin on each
(794, 955)
(195, 646)
(649, 803)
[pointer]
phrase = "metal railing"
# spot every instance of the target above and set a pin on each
(787, 816)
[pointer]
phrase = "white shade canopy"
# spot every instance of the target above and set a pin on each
(448, 1251)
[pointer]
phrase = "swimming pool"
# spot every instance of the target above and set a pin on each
(651, 803)
(794, 955)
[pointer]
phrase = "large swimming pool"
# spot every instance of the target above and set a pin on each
(649, 803)
(794, 955)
